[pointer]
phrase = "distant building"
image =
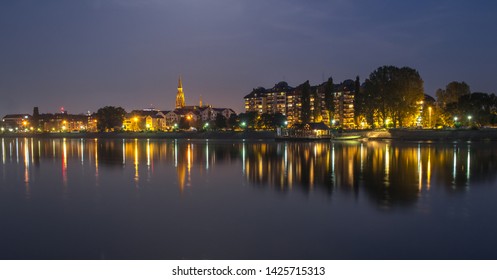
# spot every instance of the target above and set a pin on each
(194, 116)
(287, 100)
(145, 120)
(64, 122)
(16, 122)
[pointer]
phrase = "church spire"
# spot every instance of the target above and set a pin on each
(180, 96)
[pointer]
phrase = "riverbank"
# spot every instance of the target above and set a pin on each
(391, 134)
(443, 134)
(228, 135)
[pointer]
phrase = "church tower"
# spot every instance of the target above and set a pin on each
(180, 96)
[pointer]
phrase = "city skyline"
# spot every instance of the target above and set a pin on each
(86, 55)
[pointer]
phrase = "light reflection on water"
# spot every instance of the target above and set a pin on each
(241, 183)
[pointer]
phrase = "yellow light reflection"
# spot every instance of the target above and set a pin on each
(96, 157)
(387, 164)
(190, 162)
(454, 169)
(175, 153)
(428, 170)
(148, 153)
(17, 150)
(64, 161)
(137, 177)
(420, 169)
(124, 151)
(26, 160)
(32, 150)
(82, 148)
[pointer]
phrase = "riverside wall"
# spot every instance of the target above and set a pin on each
(392, 134)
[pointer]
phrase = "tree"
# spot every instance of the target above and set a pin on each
(453, 91)
(248, 119)
(306, 102)
(476, 109)
(220, 121)
(184, 123)
(264, 121)
(278, 120)
(233, 121)
(110, 118)
(328, 96)
(393, 94)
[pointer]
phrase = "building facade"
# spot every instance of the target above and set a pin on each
(289, 101)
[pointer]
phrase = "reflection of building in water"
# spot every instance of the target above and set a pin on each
(388, 173)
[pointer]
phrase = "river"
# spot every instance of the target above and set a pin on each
(201, 199)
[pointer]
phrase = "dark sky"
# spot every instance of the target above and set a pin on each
(86, 54)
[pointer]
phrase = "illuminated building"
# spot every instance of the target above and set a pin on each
(145, 120)
(180, 96)
(16, 122)
(287, 100)
(193, 114)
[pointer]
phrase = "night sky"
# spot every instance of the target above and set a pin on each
(83, 55)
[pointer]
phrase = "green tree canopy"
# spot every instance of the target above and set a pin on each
(110, 118)
(393, 94)
(220, 121)
(453, 91)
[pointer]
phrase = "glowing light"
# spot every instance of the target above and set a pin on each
(137, 177)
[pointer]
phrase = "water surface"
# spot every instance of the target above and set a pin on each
(180, 199)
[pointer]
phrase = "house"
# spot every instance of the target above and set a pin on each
(16, 122)
(145, 120)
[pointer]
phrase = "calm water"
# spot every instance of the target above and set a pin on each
(167, 199)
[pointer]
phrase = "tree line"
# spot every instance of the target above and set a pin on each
(395, 97)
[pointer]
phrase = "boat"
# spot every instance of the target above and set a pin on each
(347, 137)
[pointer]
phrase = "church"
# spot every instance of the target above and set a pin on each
(182, 116)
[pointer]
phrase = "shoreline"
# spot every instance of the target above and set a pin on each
(218, 135)
(489, 134)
